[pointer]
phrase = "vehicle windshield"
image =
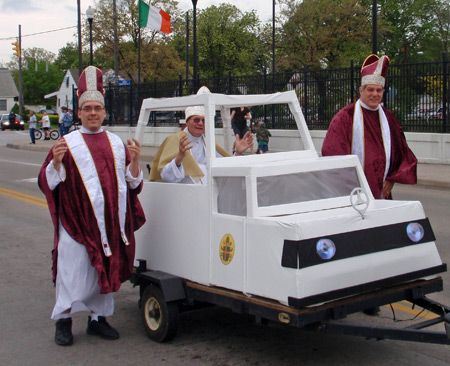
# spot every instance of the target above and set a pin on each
(306, 186)
(286, 189)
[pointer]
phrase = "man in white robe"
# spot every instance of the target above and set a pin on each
(181, 158)
(91, 181)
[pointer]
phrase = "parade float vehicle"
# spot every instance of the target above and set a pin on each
(288, 237)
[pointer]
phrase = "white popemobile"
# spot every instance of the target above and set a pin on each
(287, 236)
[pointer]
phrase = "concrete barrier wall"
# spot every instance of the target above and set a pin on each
(432, 148)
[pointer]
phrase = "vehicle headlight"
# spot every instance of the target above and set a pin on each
(22, 122)
(325, 249)
(415, 232)
(6, 123)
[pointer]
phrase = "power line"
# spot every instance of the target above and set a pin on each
(35, 34)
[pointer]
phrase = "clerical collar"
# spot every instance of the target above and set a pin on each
(193, 138)
(367, 107)
(89, 132)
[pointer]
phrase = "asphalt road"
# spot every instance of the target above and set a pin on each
(212, 336)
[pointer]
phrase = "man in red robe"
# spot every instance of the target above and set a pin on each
(373, 133)
(91, 181)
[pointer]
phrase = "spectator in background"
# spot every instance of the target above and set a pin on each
(12, 119)
(60, 121)
(45, 120)
(262, 136)
(32, 127)
(66, 121)
(239, 117)
(240, 122)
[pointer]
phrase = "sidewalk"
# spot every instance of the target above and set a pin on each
(428, 175)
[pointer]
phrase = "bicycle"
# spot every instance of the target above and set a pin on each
(54, 134)
(75, 126)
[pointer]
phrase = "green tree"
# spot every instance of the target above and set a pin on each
(228, 40)
(38, 80)
(407, 28)
(40, 76)
(323, 33)
(67, 57)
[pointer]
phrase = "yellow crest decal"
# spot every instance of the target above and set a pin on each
(226, 250)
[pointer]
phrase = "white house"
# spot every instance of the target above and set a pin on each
(64, 96)
(9, 95)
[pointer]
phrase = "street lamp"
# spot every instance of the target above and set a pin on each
(194, 3)
(90, 16)
(80, 63)
(374, 27)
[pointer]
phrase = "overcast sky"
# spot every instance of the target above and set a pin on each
(38, 16)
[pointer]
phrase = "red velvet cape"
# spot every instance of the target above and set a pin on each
(403, 165)
(70, 201)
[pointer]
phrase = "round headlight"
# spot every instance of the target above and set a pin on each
(325, 249)
(415, 232)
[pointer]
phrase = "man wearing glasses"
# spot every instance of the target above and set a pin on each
(181, 158)
(91, 181)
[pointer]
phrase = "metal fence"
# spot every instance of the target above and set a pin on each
(416, 93)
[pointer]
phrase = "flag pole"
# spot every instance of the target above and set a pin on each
(139, 55)
(139, 129)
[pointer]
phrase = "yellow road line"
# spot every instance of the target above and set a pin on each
(406, 307)
(24, 197)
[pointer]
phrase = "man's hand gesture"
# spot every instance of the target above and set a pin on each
(184, 146)
(243, 144)
(59, 151)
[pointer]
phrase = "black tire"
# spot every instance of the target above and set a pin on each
(54, 135)
(160, 318)
(37, 134)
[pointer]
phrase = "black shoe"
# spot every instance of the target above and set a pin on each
(63, 334)
(372, 311)
(101, 328)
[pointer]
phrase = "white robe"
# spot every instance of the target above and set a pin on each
(173, 174)
(77, 281)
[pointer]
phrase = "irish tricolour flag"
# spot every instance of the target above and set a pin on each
(154, 18)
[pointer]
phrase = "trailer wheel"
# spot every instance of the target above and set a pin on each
(160, 317)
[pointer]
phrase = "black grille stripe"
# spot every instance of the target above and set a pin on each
(302, 253)
(366, 287)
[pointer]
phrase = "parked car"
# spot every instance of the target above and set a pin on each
(417, 114)
(19, 124)
(49, 111)
(165, 117)
(437, 114)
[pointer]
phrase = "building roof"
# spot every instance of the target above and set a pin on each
(75, 74)
(7, 86)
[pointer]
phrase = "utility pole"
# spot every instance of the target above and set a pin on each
(18, 52)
